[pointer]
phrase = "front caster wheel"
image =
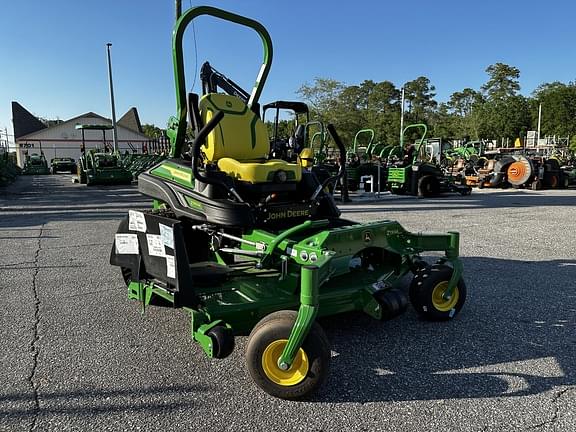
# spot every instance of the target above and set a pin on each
(265, 345)
(427, 293)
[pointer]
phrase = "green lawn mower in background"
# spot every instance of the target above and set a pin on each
(35, 164)
(100, 166)
(67, 165)
(246, 243)
(288, 146)
(306, 143)
(417, 173)
(358, 159)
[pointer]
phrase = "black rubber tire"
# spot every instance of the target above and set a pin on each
(393, 303)
(428, 186)
(277, 326)
(281, 314)
(222, 341)
(424, 268)
(421, 290)
(398, 191)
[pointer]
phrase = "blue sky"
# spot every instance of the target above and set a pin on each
(53, 57)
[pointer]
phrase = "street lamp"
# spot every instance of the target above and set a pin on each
(114, 129)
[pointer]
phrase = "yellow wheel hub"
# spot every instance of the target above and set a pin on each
(438, 300)
(286, 378)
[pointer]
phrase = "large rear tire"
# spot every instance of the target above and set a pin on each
(428, 186)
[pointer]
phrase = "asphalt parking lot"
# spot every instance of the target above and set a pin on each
(77, 355)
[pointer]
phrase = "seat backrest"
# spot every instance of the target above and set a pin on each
(299, 136)
(240, 135)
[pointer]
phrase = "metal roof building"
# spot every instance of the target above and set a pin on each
(62, 139)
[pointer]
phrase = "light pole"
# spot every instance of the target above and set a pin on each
(539, 123)
(402, 118)
(114, 130)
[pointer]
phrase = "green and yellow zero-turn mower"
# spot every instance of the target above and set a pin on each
(246, 243)
(417, 173)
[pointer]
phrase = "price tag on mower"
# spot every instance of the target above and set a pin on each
(155, 245)
(167, 234)
(170, 267)
(136, 221)
(126, 244)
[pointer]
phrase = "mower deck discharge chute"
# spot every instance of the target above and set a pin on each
(247, 243)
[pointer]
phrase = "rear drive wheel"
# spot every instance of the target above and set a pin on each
(427, 294)
(554, 182)
(428, 186)
(265, 345)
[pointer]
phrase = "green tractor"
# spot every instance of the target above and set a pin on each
(246, 243)
(35, 164)
(417, 173)
(100, 167)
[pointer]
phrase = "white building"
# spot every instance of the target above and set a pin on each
(64, 140)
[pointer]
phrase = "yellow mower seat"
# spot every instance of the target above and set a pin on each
(239, 144)
(260, 171)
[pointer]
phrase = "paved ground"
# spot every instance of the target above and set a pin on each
(76, 355)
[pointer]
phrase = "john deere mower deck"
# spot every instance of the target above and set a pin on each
(247, 243)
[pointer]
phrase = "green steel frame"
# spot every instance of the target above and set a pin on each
(178, 125)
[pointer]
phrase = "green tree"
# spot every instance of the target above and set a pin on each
(152, 131)
(558, 108)
(504, 113)
(467, 113)
(419, 95)
(503, 81)
(507, 118)
(321, 96)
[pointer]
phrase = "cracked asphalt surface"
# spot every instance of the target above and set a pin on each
(77, 355)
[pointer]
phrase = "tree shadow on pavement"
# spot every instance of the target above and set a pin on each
(18, 406)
